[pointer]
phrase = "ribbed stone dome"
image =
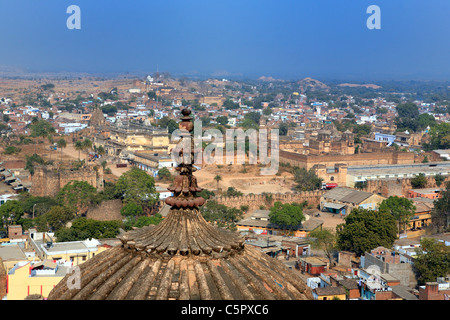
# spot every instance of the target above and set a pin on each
(183, 258)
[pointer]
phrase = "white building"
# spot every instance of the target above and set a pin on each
(72, 127)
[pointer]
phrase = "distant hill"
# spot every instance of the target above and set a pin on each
(373, 86)
(310, 83)
(269, 79)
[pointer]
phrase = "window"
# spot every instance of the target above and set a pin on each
(83, 258)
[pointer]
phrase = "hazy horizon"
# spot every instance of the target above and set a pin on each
(287, 39)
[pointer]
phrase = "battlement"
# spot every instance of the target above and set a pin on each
(48, 180)
(254, 201)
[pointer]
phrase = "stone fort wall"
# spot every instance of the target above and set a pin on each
(359, 159)
(107, 210)
(47, 181)
(254, 201)
(387, 187)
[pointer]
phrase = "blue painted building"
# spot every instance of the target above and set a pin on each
(389, 138)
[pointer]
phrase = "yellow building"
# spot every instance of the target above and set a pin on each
(75, 252)
(329, 293)
(121, 140)
(27, 278)
(259, 223)
(152, 162)
(12, 254)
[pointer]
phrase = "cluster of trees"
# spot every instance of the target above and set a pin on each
(365, 229)
(170, 124)
(306, 180)
(135, 188)
(287, 215)
(408, 118)
(440, 216)
(439, 137)
(433, 261)
(221, 215)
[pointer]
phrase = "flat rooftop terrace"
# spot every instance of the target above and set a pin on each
(400, 169)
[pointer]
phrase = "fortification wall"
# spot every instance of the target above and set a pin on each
(388, 187)
(254, 201)
(106, 211)
(308, 161)
(47, 181)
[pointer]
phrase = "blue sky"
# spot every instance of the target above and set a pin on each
(279, 38)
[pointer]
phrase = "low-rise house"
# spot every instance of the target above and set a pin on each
(312, 265)
(260, 223)
(27, 278)
(351, 287)
(422, 216)
(342, 200)
(152, 162)
(11, 254)
(390, 262)
(439, 290)
(430, 193)
(75, 252)
(329, 293)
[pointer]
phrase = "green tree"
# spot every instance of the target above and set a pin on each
(439, 137)
(306, 180)
(283, 128)
(402, 209)
(440, 216)
(366, 229)
(164, 174)
(131, 209)
(10, 213)
(324, 239)
(287, 215)
(267, 112)
(249, 124)
(419, 181)
(87, 145)
(11, 150)
(83, 228)
(206, 194)
(439, 178)
(232, 192)
(146, 221)
(360, 185)
(151, 95)
(55, 219)
(223, 120)
(36, 206)
(137, 186)
(79, 146)
(77, 195)
(432, 260)
(61, 143)
(253, 116)
(31, 160)
(170, 124)
(101, 150)
(218, 178)
(41, 128)
(220, 214)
